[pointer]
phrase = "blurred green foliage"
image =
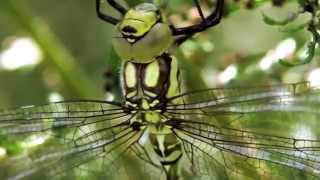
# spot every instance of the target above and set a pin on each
(312, 25)
(77, 48)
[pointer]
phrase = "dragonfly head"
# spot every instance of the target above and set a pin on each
(139, 20)
(142, 34)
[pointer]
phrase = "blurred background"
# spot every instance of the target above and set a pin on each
(60, 50)
(51, 50)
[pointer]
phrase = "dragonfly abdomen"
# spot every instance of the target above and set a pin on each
(169, 151)
(167, 147)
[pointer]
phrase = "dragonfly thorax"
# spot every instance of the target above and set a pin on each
(149, 85)
(147, 88)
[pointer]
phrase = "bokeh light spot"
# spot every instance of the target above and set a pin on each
(285, 49)
(21, 52)
(314, 77)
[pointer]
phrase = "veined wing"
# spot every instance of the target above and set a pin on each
(88, 139)
(103, 157)
(202, 121)
(240, 100)
(242, 103)
(250, 147)
(60, 115)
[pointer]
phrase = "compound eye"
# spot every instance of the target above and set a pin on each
(129, 30)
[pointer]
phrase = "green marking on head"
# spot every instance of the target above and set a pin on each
(142, 34)
(139, 20)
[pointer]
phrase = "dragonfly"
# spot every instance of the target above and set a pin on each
(158, 131)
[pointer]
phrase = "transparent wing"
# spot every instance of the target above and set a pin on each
(237, 100)
(59, 115)
(300, 154)
(84, 139)
(91, 159)
(231, 104)
(202, 164)
(214, 120)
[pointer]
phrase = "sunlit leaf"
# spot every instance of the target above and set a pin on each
(310, 49)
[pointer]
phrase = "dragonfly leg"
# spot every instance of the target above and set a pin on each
(105, 17)
(206, 22)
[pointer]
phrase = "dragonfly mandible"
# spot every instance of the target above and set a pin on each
(157, 131)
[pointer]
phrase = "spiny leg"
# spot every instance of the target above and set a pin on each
(206, 22)
(105, 17)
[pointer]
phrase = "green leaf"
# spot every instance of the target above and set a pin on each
(294, 28)
(270, 21)
(273, 22)
(309, 52)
